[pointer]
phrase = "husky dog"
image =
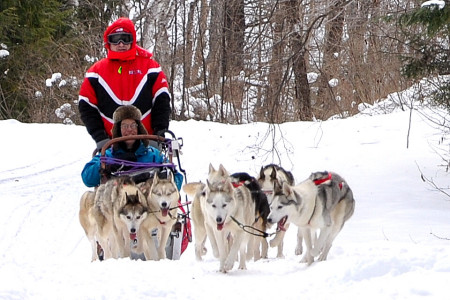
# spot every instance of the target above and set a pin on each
(271, 178)
(132, 214)
(197, 191)
(104, 220)
(126, 194)
(331, 185)
(306, 206)
(201, 228)
(162, 201)
(87, 220)
(217, 210)
(262, 210)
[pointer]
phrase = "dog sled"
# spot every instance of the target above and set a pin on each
(170, 148)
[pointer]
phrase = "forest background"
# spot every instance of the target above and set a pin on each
(230, 61)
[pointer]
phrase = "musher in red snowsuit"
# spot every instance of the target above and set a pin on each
(125, 77)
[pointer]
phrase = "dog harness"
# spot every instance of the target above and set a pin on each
(237, 184)
(320, 181)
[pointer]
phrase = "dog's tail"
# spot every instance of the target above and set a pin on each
(193, 188)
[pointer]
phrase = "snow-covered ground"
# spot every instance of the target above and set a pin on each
(396, 245)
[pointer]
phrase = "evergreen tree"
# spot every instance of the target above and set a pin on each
(35, 33)
(428, 30)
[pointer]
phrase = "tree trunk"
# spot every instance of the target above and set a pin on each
(327, 101)
(302, 99)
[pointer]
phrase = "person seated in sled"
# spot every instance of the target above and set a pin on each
(127, 122)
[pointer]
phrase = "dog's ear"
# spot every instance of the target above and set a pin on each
(287, 189)
(222, 171)
(228, 186)
(156, 178)
(170, 176)
(297, 198)
(277, 188)
(211, 168)
(273, 175)
(145, 187)
(261, 173)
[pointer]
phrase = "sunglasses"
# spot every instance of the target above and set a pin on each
(116, 38)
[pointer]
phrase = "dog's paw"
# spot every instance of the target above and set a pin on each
(299, 250)
(308, 259)
(322, 257)
(229, 263)
(222, 267)
(200, 252)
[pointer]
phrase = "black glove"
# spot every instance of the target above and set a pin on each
(160, 132)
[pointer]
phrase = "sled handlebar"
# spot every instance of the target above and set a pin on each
(131, 137)
(126, 138)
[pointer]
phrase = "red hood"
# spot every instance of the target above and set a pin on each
(127, 26)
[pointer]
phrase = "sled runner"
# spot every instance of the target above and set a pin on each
(139, 172)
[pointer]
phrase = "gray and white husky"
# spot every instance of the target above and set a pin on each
(111, 216)
(323, 202)
(132, 214)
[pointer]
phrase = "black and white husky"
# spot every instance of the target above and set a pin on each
(271, 178)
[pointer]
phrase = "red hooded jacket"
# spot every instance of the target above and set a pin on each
(124, 78)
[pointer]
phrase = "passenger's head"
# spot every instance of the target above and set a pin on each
(127, 121)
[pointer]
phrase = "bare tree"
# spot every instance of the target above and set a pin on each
(331, 53)
(254, 60)
(301, 96)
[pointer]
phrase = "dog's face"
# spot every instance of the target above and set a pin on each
(133, 213)
(219, 202)
(164, 194)
(267, 179)
(271, 178)
(283, 205)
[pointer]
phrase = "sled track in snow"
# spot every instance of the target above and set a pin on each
(30, 175)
